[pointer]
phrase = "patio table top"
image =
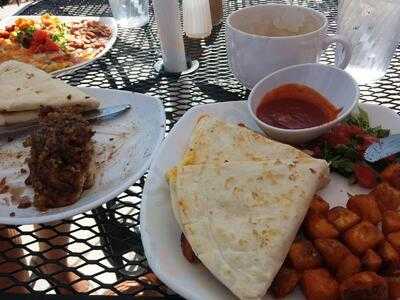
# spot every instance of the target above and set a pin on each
(105, 246)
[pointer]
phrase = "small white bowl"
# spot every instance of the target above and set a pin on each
(334, 84)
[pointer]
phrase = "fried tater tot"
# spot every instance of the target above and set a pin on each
(362, 237)
(318, 284)
(364, 286)
(366, 207)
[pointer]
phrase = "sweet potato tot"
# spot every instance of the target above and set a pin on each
(285, 282)
(371, 261)
(318, 227)
(364, 286)
(390, 221)
(366, 207)
(391, 174)
(349, 266)
(319, 205)
(362, 237)
(390, 258)
(187, 250)
(332, 251)
(318, 284)
(394, 287)
(394, 239)
(304, 256)
(342, 218)
(387, 197)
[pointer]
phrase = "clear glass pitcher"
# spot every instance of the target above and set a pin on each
(130, 13)
(373, 28)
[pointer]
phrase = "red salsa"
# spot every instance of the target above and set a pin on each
(296, 106)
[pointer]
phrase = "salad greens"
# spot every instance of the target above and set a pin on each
(57, 30)
(24, 36)
(361, 120)
(341, 159)
(358, 134)
(60, 36)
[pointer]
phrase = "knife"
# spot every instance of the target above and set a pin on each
(383, 148)
(92, 116)
(106, 113)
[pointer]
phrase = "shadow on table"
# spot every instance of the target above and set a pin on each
(193, 46)
(221, 94)
(133, 56)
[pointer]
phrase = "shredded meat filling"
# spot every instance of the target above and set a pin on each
(61, 158)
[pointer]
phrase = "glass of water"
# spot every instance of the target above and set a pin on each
(130, 13)
(372, 27)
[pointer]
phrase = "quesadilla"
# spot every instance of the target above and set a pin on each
(25, 89)
(215, 140)
(239, 199)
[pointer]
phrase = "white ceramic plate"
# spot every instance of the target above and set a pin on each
(109, 21)
(124, 148)
(161, 233)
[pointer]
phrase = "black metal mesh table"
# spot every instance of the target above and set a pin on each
(105, 243)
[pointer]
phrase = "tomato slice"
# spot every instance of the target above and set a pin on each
(366, 140)
(40, 36)
(50, 46)
(41, 42)
(342, 134)
(365, 175)
(4, 34)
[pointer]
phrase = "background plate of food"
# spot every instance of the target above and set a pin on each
(239, 199)
(56, 44)
(66, 165)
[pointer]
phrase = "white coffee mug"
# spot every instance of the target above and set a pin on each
(257, 43)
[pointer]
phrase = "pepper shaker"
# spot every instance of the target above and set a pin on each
(197, 18)
(217, 12)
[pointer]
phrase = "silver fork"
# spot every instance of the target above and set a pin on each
(385, 147)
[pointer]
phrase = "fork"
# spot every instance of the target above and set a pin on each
(383, 148)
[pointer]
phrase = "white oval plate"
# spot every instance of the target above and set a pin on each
(109, 21)
(124, 148)
(159, 229)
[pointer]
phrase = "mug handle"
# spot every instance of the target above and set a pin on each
(329, 39)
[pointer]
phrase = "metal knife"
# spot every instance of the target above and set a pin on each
(106, 113)
(385, 147)
(92, 116)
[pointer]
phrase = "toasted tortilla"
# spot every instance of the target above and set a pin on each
(214, 140)
(26, 88)
(240, 199)
(241, 217)
(9, 118)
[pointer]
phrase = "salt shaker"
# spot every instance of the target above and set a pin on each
(217, 12)
(197, 18)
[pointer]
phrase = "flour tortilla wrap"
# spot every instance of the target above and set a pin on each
(14, 117)
(26, 88)
(214, 140)
(240, 199)
(241, 217)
